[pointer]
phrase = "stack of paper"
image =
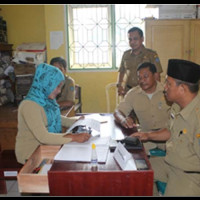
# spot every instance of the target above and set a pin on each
(82, 151)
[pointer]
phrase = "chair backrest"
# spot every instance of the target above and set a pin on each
(78, 102)
(111, 92)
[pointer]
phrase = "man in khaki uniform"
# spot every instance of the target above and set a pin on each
(66, 98)
(148, 102)
(138, 54)
(180, 169)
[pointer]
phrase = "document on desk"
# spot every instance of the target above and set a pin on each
(81, 152)
(124, 158)
(92, 123)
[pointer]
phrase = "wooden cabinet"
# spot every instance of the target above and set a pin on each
(8, 126)
(195, 41)
(173, 39)
(6, 48)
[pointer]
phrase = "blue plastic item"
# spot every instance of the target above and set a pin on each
(157, 152)
(161, 187)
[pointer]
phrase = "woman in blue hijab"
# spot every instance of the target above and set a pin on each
(45, 81)
(39, 118)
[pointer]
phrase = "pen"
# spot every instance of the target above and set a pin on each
(37, 169)
(180, 133)
(103, 122)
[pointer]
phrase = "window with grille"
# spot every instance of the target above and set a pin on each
(97, 33)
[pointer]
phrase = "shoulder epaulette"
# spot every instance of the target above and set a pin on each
(127, 51)
(150, 50)
(198, 112)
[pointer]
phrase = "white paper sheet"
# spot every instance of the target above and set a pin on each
(45, 169)
(56, 39)
(124, 158)
(75, 151)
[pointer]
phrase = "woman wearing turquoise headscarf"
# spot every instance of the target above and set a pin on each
(39, 119)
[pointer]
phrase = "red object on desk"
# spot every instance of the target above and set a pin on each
(77, 179)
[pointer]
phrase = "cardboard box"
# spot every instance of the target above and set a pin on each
(29, 182)
(177, 11)
(21, 69)
(29, 57)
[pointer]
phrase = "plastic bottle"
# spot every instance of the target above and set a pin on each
(94, 159)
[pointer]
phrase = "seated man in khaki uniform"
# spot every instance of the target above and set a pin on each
(66, 98)
(180, 168)
(148, 102)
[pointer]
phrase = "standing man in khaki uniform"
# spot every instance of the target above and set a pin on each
(180, 169)
(148, 102)
(66, 98)
(138, 54)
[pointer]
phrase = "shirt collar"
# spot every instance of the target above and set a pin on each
(185, 112)
(159, 87)
(141, 50)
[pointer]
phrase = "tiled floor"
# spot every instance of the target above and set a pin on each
(12, 188)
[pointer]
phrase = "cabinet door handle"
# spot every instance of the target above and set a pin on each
(191, 52)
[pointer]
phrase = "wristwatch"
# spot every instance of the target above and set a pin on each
(118, 84)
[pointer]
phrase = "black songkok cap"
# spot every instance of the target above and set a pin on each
(183, 70)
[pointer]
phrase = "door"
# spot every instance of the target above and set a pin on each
(169, 38)
(195, 41)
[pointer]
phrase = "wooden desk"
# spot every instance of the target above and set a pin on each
(77, 179)
(8, 126)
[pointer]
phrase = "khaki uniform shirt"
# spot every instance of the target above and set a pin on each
(68, 90)
(152, 113)
(183, 147)
(130, 62)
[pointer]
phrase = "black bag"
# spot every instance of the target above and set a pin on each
(131, 143)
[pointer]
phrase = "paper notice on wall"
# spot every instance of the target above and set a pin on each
(56, 39)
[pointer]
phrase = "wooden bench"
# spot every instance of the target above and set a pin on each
(9, 167)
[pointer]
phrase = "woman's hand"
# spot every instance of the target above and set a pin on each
(79, 137)
(81, 118)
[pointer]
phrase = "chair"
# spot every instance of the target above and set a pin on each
(78, 102)
(111, 91)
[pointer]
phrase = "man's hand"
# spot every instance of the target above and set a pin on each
(141, 135)
(120, 90)
(128, 123)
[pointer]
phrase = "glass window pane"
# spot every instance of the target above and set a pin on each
(90, 41)
(95, 39)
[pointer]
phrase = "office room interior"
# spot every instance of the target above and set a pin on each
(34, 23)
(170, 30)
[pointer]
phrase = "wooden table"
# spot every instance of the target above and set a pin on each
(77, 179)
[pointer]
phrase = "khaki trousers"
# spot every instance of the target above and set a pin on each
(178, 182)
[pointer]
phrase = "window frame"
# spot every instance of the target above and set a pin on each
(115, 48)
(112, 34)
